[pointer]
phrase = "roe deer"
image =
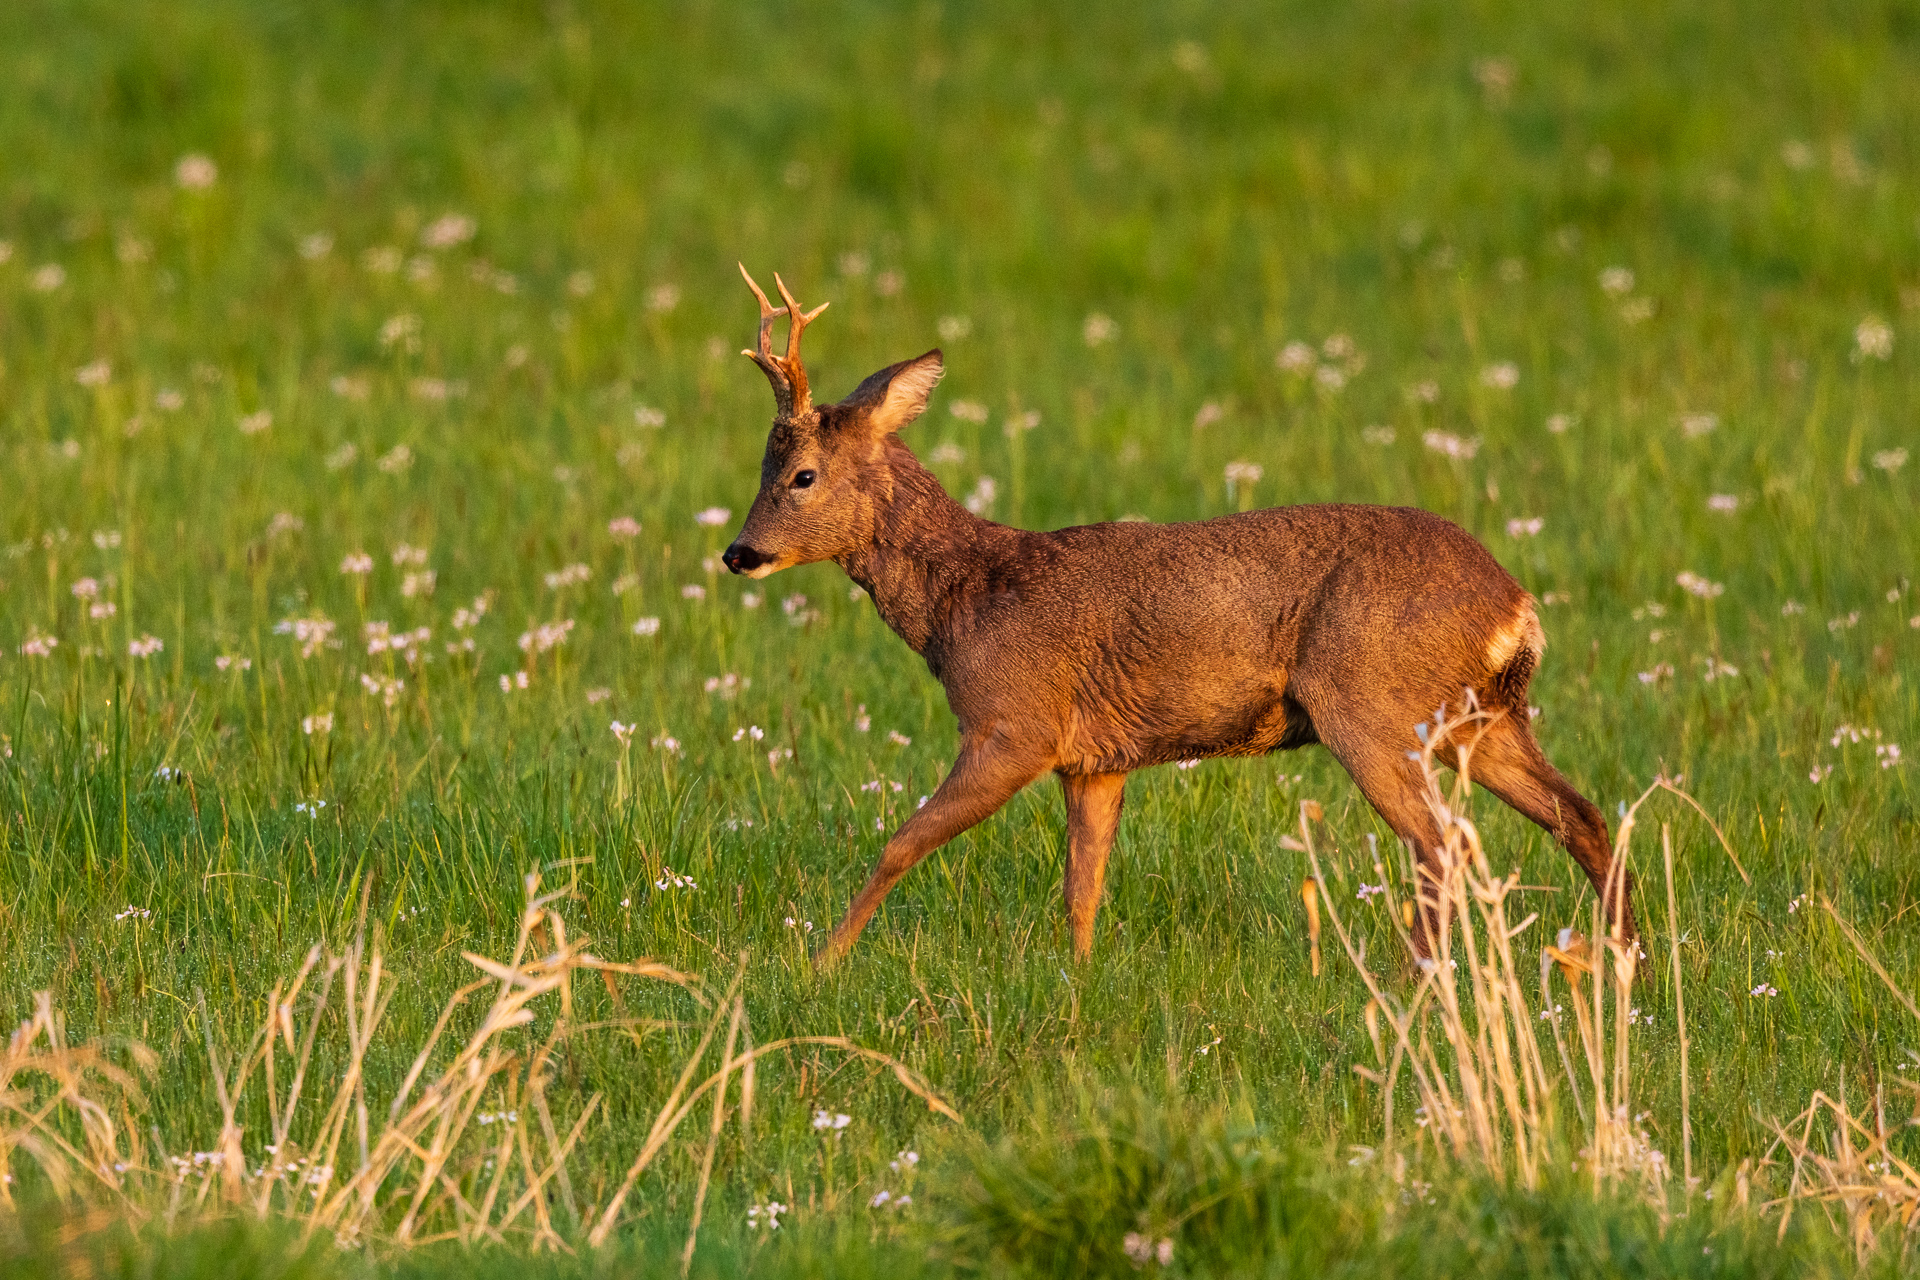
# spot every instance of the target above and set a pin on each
(1098, 650)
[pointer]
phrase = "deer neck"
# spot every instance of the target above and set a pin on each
(923, 550)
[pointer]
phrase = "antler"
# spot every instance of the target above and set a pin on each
(786, 373)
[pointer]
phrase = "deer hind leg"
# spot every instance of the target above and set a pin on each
(1393, 786)
(1508, 762)
(1093, 819)
(982, 779)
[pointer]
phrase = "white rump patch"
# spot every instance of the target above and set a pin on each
(1523, 632)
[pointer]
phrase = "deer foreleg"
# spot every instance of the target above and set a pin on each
(1093, 819)
(982, 779)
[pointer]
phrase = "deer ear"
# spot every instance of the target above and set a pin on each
(898, 394)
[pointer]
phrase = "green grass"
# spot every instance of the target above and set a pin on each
(1216, 180)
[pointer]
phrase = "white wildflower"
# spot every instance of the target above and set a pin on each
(195, 172)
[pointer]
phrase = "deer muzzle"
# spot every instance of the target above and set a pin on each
(743, 559)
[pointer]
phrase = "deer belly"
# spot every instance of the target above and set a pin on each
(1184, 718)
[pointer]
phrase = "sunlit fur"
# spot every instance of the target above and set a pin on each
(1092, 651)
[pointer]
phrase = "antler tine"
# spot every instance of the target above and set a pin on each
(797, 322)
(798, 319)
(767, 312)
(770, 364)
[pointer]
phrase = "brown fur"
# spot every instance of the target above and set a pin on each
(1096, 650)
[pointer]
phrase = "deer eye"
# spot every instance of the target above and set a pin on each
(804, 479)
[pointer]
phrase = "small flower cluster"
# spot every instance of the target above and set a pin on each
(570, 575)
(386, 688)
(468, 617)
(1872, 340)
(1143, 1251)
(670, 879)
(728, 686)
(300, 1170)
(311, 634)
(548, 635)
(1888, 754)
(1450, 445)
(798, 615)
(185, 1166)
(1337, 360)
(1693, 584)
(1503, 375)
(382, 638)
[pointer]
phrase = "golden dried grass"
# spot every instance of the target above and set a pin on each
(1477, 1056)
(429, 1166)
(1466, 1033)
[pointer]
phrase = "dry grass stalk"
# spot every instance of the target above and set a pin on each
(1310, 895)
(43, 1081)
(1841, 1161)
(1679, 1012)
(434, 1166)
(1485, 1092)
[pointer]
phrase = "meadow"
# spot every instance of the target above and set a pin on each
(372, 417)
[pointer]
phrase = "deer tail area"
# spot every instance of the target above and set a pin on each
(1512, 655)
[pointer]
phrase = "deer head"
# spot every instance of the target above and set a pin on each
(825, 465)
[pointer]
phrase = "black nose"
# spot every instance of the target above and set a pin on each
(741, 559)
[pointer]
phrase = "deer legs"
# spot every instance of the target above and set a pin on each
(1508, 762)
(1093, 818)
(983, 778)
(1393, 786)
